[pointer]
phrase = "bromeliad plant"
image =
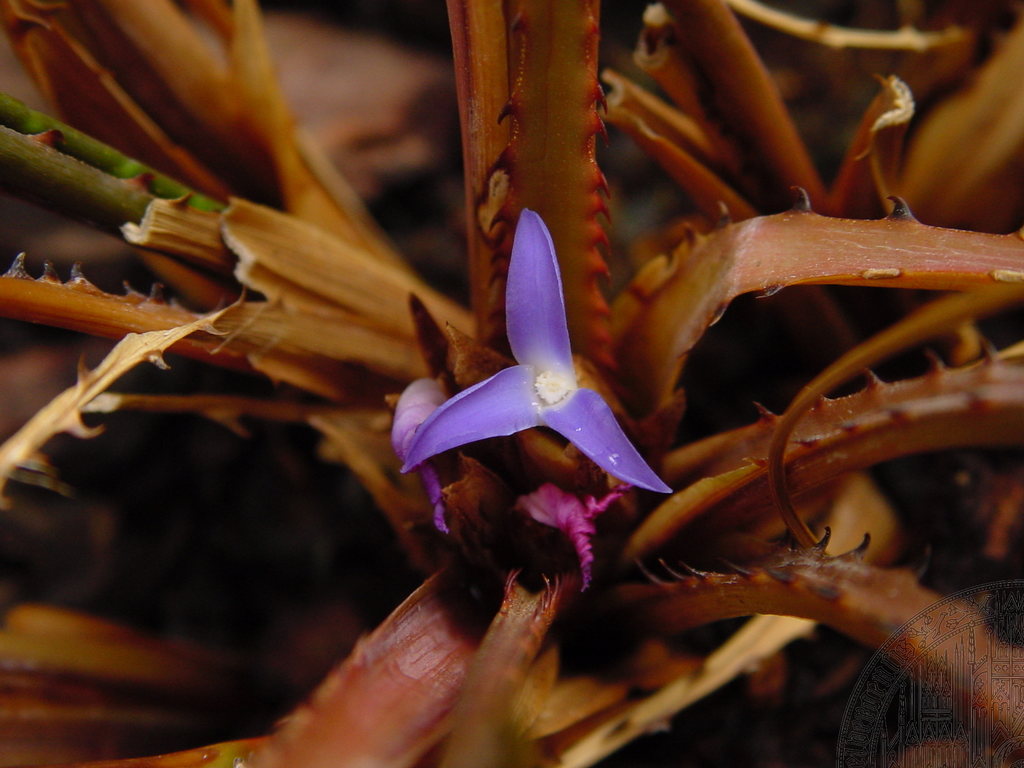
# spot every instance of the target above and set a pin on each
(537, 475)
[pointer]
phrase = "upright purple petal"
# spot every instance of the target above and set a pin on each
(501, 405)
(587, 422)
(534, 306)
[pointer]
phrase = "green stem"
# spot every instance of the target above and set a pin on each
(33, 170)
(69, 141)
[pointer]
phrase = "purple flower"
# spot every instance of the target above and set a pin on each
(552, 506)
(542, 390)
(418, 401)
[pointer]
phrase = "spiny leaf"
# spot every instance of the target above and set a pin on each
(864, 601)
(480, 48)
(284, 345)
(553, 123)
(64, 138)
(81, 89)
(926, 323)
(672, 301)
(758, 639)
(982, 405)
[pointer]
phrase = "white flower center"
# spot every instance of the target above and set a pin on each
(553, 387)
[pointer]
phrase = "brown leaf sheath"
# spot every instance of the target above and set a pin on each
(488, 727)
(550, 158)
(869, 171)
(480, 49)
(975, 136)
(388, 703)
(978, 406)
(673, 300)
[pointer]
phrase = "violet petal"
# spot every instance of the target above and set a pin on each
(432, 485)
(501, 405)
(418, 401)
(587, 422)
(534, 305)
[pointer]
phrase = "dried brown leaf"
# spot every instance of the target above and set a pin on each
(299, 265)
(63, 414)
(176, 229)
(870, 170)
(743, 96)
(681, 147)
(975, 137)
(306, 180)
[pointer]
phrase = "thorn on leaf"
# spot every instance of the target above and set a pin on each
(989, 353)
(871, 380)
(935, 363)
(900, 210)
(724, 217)
(687, 571)
(738, 568)
(801, 200)
(17, 268)
(826, 537)
(920, 563)
(649, 574)
(860, 549)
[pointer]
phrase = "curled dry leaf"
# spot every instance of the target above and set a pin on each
(870, 170)
(64, 413)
